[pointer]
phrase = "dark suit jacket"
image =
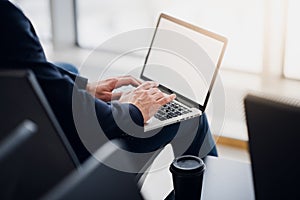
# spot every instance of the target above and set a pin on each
(20, 49)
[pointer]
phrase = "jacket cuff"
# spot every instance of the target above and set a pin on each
(81, 82)
(136, 115)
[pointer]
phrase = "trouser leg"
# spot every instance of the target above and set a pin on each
(191, 137)
(67, 66)
(203, 143)
(195, 139)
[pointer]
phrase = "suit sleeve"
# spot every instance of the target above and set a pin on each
(89, 122)
(80, 81)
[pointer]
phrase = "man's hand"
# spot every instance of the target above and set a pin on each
(147, 98)
(103, 89)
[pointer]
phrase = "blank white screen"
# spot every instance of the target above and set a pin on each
(183, 60)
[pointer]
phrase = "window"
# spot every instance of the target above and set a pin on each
(39, 14)
(292, 49)
(241, 21)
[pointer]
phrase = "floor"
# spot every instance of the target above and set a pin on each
(158, 182)
(233, 153)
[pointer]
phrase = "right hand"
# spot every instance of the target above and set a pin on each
(147, 98)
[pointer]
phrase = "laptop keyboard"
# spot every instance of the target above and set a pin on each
(171, 110)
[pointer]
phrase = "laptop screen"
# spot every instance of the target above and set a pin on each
(183, 59)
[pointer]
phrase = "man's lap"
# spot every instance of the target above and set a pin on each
(185, 137)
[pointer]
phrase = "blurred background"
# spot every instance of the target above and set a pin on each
(261, 55)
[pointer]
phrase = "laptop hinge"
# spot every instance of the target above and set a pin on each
(181, 98)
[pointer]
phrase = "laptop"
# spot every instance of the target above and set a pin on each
(273, 129)
(184, 59)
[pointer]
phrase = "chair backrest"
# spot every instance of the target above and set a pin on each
(40, 161)
(16, 138)
(98, 179)
(274, 135)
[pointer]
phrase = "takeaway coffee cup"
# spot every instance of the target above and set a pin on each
(187, 172)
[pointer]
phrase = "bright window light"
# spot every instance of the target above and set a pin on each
(292, 61)
(242, 22)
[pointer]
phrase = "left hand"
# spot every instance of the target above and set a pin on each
(103, 89)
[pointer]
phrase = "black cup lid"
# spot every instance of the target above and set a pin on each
(187, 164)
